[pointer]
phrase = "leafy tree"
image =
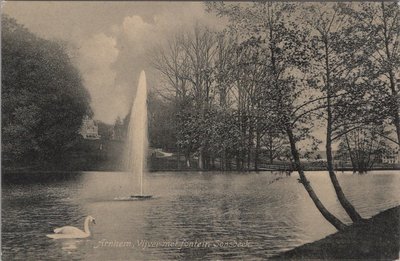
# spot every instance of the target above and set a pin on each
(275, 143)
(161, 116)
(43, 99)
(335, 74)
(364, 147)
(285, 51)
(186, 63)
(377, 27)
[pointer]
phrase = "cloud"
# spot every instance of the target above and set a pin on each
(135, 28)
(111, 61)
(113, 41)
(98, 51)
(97, 56)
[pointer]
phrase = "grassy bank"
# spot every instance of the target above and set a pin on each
(375, 239)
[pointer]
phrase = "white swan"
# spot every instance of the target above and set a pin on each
(73, 232)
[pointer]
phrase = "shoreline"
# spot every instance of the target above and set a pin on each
(38, 171)
(377, 238)
(38, 176)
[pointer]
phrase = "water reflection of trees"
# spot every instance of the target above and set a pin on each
(232, 207)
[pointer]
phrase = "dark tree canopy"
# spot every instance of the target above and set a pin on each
(43, 98)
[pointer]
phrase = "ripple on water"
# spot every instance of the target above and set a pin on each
(272, 214)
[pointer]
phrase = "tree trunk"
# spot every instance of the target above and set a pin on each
(396, 111)
(397, 123)
(257, 150)
(249, 145)
(187, 158)
(238, 160)
(353, 163)
(348, 207)
(179, 157)
(200, 159)
(207, 161)
(227, 162)
(271, 151)
(243, 143)
(303, 180)
(222, 160)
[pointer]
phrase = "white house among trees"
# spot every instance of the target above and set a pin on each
(89, 129)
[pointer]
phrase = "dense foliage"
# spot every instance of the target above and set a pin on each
(43, 98)
(234, 94)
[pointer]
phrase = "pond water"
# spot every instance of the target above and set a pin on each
(210, 215)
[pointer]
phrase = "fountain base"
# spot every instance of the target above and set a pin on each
(134, 198)
(141, 197)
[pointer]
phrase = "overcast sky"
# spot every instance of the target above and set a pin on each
(111, 39)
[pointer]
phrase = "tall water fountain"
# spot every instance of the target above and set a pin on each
(137, 144)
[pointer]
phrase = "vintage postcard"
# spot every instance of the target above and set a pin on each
(178, 130)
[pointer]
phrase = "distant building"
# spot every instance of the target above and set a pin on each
(89, 129)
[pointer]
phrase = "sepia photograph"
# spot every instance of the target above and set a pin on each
(200, 130)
